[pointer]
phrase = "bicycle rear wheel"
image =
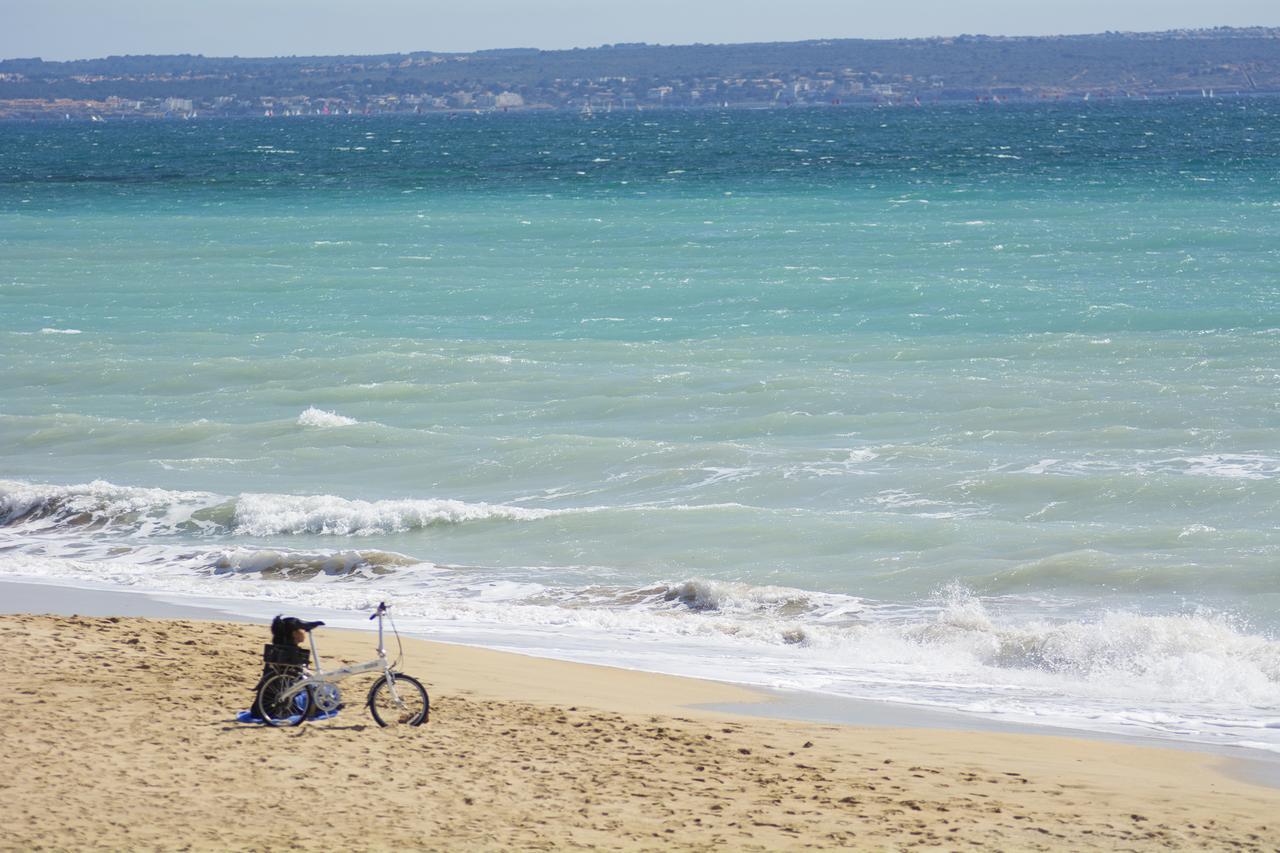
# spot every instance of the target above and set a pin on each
(278, 707)
(404, 703)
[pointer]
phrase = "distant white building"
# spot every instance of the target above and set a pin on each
(508, 99)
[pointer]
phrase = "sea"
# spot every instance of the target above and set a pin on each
(972, 408)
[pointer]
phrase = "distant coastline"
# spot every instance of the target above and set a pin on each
(1218, 62)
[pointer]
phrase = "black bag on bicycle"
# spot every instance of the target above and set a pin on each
(278, 660)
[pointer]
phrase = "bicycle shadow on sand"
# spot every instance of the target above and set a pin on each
(319, 725)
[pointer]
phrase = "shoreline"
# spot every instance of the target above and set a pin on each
(739, 700)
(532, 753)
(865, 102)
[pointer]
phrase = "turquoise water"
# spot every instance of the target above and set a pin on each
(972, 407)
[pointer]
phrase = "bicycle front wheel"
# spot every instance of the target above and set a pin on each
(402, 701)
(279, 708)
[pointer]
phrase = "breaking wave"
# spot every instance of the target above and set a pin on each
(314, 417)
(1182, 657)
(285, 564)
(268, 515)
(102, 506)
(98, 505)
(701, 595)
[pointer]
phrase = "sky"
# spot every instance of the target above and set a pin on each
(84, 29)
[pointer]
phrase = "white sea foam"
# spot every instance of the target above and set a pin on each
(52, 331)
(922, 507)
(269, 515)
(1231, 466)
(196, 463)
(314, 417)
(1243, 466)
(1120, 655)
(492, 359)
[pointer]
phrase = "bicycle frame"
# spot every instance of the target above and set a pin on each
(333, 675)
(319, 676)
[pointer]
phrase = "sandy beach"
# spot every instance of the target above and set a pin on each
(119, 734)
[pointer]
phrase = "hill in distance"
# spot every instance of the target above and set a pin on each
(834, 72)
